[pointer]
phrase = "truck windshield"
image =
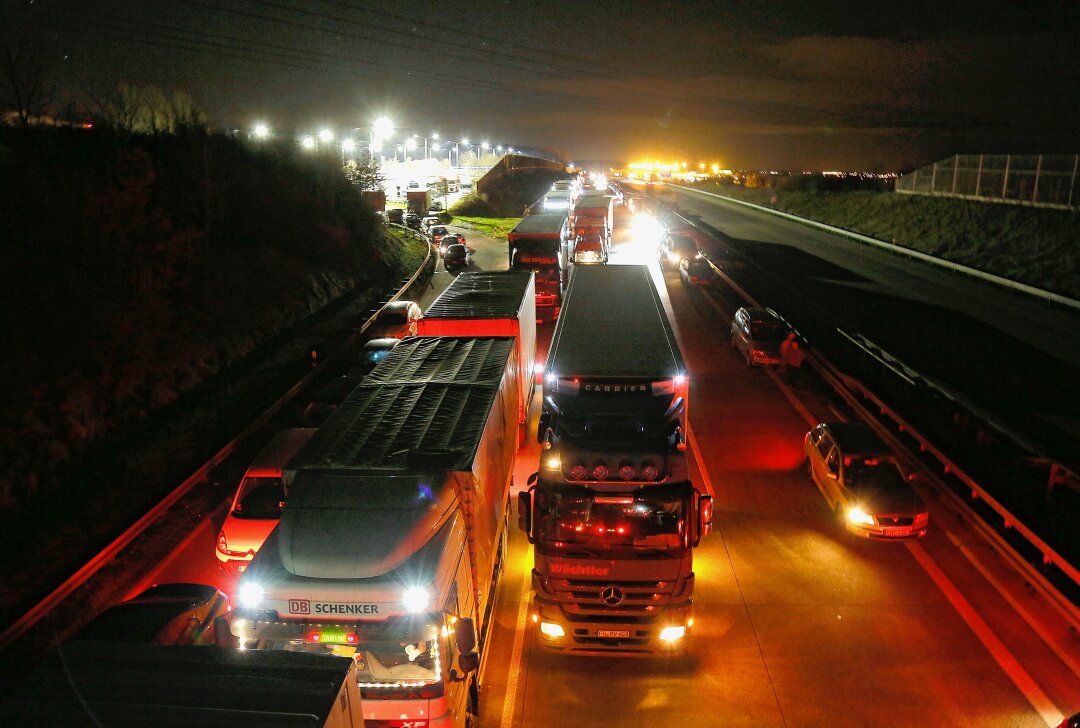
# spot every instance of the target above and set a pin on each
(650, 519)
(406, 666)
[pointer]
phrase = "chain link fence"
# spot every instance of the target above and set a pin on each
(1042, 180)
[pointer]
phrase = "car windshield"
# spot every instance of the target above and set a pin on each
(438, 230)
(651, 519)
(683, 245)
(880, 473)
(455, 251)
(768, 330)
(260, 497)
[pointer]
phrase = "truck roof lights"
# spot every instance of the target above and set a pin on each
(578, 472)
(649, 472)
(627, 472)
(600, 471)
(416, 599)
(251, 594)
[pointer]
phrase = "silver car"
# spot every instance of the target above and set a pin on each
(757, 333)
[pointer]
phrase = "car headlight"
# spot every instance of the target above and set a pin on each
(251, 595)
(673, 257)
(860, 517)
(415, 599)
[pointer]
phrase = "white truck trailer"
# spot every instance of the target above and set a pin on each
(393, 532)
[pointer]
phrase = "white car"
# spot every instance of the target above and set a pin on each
(256, 507)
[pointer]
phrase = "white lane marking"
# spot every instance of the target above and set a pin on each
(997, 649)
(514, 675)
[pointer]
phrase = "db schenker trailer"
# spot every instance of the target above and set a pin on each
(393, 531)
(492, 303)
(612, 512)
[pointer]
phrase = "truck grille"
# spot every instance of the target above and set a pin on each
(621, 601)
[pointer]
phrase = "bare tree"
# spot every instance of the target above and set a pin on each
(24, 89)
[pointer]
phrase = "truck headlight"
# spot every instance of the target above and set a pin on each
(670, 634)
(549, 629)
(251, 595)
(860, 517)
(415, 599)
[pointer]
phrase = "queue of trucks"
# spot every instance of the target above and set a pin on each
(393, 518)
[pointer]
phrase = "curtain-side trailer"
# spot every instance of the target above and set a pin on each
(393, 532)
(492, 303)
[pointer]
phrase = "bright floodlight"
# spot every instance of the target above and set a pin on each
(410, 143)
(434, 135)
(262, 131)
(383, 127)
(484, 145)
(464, 141)
(348, 145)
(308, 142)
(325, 135)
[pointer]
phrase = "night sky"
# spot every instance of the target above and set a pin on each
(762, 84)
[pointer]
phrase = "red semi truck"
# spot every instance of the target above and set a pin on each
(612, 513)
(492, 303)
(539, 243)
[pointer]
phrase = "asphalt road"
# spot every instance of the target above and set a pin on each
(796, 623)
(1010, 353)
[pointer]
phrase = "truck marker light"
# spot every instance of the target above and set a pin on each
(578, 472)
(553, 463)
(600, 471)
(649, 472)
(626, 472)
(551, 630)
(251, 595)
(670, 634)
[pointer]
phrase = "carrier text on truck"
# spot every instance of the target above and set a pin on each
(393, 532)
(613, 514)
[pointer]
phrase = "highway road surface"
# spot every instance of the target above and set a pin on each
(796, 622)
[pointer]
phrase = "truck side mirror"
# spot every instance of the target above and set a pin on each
(543, 426)
(465, 635)
(525, 510)
(468, 662)
(705, 516)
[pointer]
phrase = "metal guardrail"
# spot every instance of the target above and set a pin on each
(80, 577)
(844, 384)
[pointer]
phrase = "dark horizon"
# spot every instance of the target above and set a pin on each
(787, 86)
